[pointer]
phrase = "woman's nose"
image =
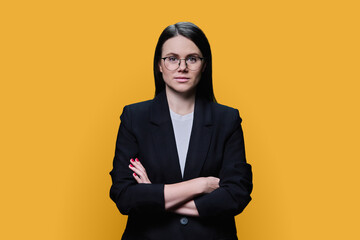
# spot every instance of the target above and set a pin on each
(182, 64)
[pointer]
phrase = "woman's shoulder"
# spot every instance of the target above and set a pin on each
(140, 105)
(138, 108)
(225, 113)
(224, 109)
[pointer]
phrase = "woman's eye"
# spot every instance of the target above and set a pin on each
(172, 59)
(191, 60)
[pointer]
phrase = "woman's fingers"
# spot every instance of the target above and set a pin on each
(137, 164)
(139, 170)
(137, 178)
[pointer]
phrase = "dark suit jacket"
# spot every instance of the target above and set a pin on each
(216, 148)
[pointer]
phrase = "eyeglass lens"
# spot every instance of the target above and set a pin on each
(192, 63)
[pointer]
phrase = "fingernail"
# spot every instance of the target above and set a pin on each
(131, 165)
(137, 160)
(131, 160)
(135, 174)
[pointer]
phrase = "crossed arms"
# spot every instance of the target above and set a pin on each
(178, 197)
(203, 196)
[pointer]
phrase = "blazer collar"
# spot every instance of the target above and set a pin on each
(160, 113)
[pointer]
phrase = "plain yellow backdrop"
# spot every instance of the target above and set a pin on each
(67, 68)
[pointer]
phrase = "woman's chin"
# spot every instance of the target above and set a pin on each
(182, 89)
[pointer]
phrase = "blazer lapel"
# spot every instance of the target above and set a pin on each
(164, 140)
(200, 139)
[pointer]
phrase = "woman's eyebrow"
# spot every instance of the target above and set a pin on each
(175, 54)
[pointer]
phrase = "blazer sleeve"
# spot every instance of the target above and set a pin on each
(235, 175)
(128, 195)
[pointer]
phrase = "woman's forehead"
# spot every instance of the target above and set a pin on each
(180, 45)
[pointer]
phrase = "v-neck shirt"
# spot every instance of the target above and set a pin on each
(182, 125)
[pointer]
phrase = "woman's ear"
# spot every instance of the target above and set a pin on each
(160, 68)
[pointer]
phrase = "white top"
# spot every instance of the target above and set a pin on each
(182, 125)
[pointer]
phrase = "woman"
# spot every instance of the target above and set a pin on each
(179, 167)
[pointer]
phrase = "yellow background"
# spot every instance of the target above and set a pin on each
(68, 67)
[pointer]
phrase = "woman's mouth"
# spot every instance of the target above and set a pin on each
(182, 79)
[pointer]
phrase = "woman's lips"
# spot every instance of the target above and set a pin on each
(182, 79)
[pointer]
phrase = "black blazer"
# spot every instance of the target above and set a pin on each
(216, 149)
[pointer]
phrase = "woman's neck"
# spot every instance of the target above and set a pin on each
(180, 103)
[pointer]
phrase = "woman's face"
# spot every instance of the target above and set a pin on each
(181, 80)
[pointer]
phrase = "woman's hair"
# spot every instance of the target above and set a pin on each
(195, 34)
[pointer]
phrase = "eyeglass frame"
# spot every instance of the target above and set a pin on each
(186, 65)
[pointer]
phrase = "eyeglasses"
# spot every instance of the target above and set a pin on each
(192, 63)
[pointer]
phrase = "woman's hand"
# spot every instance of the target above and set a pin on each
(139, 174)
(211, 183)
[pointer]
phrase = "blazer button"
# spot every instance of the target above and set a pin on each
(184, 221)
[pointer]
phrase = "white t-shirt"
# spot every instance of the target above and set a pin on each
(182, 125)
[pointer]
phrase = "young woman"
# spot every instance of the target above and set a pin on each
(179, 168)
